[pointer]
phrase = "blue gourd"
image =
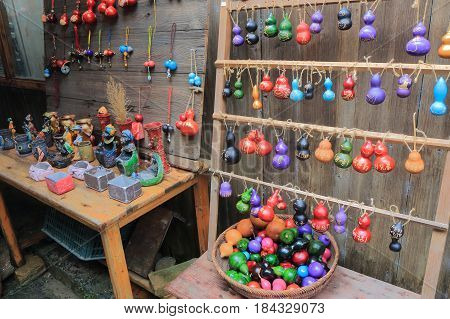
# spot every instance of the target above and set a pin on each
(328, 95)
(440, 92)
(296, 95)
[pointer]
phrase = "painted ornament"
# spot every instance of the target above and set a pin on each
(324, 152)
(257, 104)
(282, 89)
(296, 95)
(99, 54)
(404, 86)
(187, 124)
(126, 49)
(320, 221)
(270, 26)
(109, 53)
(149, 64)
(225, 190)
(231, 155)
(238, 40)
(383, 163)
(255, 203)
(251, 38)
(194, 79)
(281, 160)
(362, 163)
(300, 216)
(348, 93)
(340, 220)
(247, 145)
(376, 95)
(328, 95)
(418, 45)
(170, 64)
(238, 92)
(414, 164)
(396, 231)
(88, 53)
(263, 147)
(227, 91)
(285, 29)
(344, 17)
(64, 19)
(303, 33)
(444, 49)
(368, 32)
(303, 153)
(243, 205)
(89, 16)
(362, 234)
(440, 90)
(266, 84)
(343, 159)
(316, 20)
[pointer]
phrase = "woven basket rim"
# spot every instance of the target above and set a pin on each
(291, 293)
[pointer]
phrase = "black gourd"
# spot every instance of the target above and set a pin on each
(231, 154)
(308, 89)
(303, 153)
(344, 19)
(227, 91)
(300, 217)
(251, 38)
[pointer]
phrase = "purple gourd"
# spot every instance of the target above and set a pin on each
(404, 86)
(238, 40)
(316, 20)
(418, 45)
(281, 160)
(340, 220)
(255, 203)
(225, 189)
(368, 32)
(376, 95)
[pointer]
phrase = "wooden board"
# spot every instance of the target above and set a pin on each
(201, 281)
(146, 240)
(95, 210)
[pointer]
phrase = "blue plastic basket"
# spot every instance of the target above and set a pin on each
(77, 238)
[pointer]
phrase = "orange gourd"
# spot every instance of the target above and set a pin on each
(257, 104)
(414, 164)
(324, 152)
(245, 227)
(233, 236)
(226, 249)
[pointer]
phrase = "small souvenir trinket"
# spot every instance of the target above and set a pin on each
(77, 169)
(227, 90)
(285, 28)
(362, 163)
(396, 231)
(231, 155)
(282, 89)
(257, 104)
(75, 18)
(343, 159)
(300, 216)
(23, 145)
(106, 151)
(255, 203)
(444, 49)
(153, 173)
(86, 151)
(126, 49)
(440, 92)
(64, 19)
(303, 153)
(362, 234)
(418, 45)
(137, 128)
(320, 221)
(316, 20)
(59, 183)
(281, 160)
(154, 132)
(107, 7)
(308, 88)
(127, 3)
(243, 205)
(414, 164)
(149, 64)
(266, 84)
(194, 79)
(167, 128)
(100, 54)
(303, 34)
(98, 177)
(383, 163)
(270, 26)
(11, 127)
(247, 145)
(368, 32)
(109, 53)
(251, 26)
(404, 86)
(39, 171)
(39, 149)
(324, 152)
(89, 16)
(225, 189)
(238, 40)
(128, 160)
(88, 53)
(6, 139)
(328, 95)
(103, 117)
(238, 92)
(170, 64)
(267, 212)
(51, 16)
(124, 189)
(340, 220)
(187, 124)
(296, 94)
(376, 95)
(263, 147)
(348, 93)
(344, 17)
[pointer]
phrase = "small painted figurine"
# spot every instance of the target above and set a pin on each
(77, 138)
(138, 129)
(128, 160)
(29, 127)
(106, 151)
(11, 127)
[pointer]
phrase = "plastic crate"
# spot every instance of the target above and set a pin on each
(77, 238)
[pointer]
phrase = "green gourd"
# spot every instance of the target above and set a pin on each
(270, 28)
(343, 159)
(242, 244)
(237, 261)
(243, 205)
(238, 93)
(285, 33)
(316, 248)
(278, 270)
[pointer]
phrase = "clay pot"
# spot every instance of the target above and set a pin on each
(86, 151)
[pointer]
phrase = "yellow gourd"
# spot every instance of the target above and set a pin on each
(226, 249)
(444, 49)
(233, 236)
(414, 164)
(324, 152)
(257, 104)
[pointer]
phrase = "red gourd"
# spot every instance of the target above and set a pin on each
(320, 221)
(187, 124)
(267, 213)
(303, 34)
(362, 163)
(383, 163)
(361, 233)
(266, 84)
(348, 93)
(263, 147)
(89, 16)
(248, 143)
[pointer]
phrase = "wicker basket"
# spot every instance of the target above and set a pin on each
(221, 265)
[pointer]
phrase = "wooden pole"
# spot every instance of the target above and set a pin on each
(357, 133)
(223, 52)
(202, 211)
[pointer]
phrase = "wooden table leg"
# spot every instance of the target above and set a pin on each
(202, 211)
(117, 265)
(9, 234)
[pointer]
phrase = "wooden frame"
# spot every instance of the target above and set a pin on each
(438, 240)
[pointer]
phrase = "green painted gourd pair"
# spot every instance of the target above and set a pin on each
(284, 31)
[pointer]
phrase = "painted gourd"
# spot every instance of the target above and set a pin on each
(257, 104)
(266, 84)
(285, 29)
(247, 145)
(348, 93)
(324, 152)
(267, 213)
(376, 95)
(251, 37)
(238, 40)
(340, 220)
(227, 91)
(418, 45)
(383, 163)
(270, 26)
(296, 95)
(414, 164)
(238, 92)
(362, 162)
(303, 153)
(440, 92)
(344, 19)
(263, 147)
(404, 86)
(303, 34)
(255, 203)
(343, 159)
(282, 89)
(444, 49)
(308, 90)
(320, 221)
(243, 204)
(362, 234)
(187, 124)
(396, 231)
(231, 155)
(328, 95)
(368, 32)
(300, 217)
(281, 160)
(225, 190)
(316, 19)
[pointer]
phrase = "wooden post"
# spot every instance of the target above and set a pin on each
(117, 265)
(223, 52)
(9, 234)
(438, 238)
(202, 211)
(6, 51)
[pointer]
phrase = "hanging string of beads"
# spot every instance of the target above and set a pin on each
(167, 128)
(99, 54)
(88, 53)
(149, 64)
(194, 79)
(126, 49)
(109, 53)
(170, 64)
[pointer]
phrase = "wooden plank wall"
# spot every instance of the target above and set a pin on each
(83, 92)
(394, 22)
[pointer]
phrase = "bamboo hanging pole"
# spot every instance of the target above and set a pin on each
(360, 134)
(262, 4)
(377, 67)
(434, 224)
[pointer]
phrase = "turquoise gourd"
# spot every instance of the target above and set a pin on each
(296, 95)
(328, 95)
(440, 92)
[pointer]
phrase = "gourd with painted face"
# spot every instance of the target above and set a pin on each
(348, 93)
(251, 37)
(418, 45)
(404, 86)
(324, 153)
(285, 29)
(343, 159)
(296, 95)
(376, 95)
(270, 28)
(303, 153)
(281, 160)
(368, 32)
(440, 92)
(231, 155)
(383, 163)
(328, 95)
(316, 19)
(344, 19)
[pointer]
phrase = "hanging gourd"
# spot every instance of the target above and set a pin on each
(348, 93)
(440, 90)
(270, 25)
(257, 104)
(281, 160)
(343, 159)
(419, 45)
(64, 19)
(170, 64)
(296, 95)
(396, 231)
(89, 16)
(255, 203)
(51, 16)
(194, 80)
(247, 145)
(362, 234)
(76, 54)
(149, 64)
(404, 86)
(303, 34)
(324, 152)
(285, 28)
(251, 26)
(107, 7)
(167, 128)
(415, 164)
(320, 221)
(300, 217)
(368, 32)
(231, 155)
(99, 54)
(187, 124)
(362, 162)
(109, 53)
(308, 88)
(266, 84)
(227, 91)
(243, 205)
(237, 39)
(126, 49)
(340, 220)
(238, 92)
(267, 213)
(303, 153)
(444, 49)
(383, 163)
(376, 94)
(344, 17)
(127, 3)
(263, 147)
(282, 89)
(328, 95)
(88, 53)
(316, 19)
(225, 189)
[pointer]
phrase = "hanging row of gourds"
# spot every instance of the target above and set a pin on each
(297, 92)
(417, 46)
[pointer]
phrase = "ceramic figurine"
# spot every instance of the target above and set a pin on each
(440, 92)
(60, 158)
(23, 145)
(362, 234)
(296, 95)
(281, 160)
(320, 221)
(300, 217)
(324, 152)
(29, 126)
(251, 26)
(285, 29)
(243, 204)
(343, 159)
(67, 121)
(282, 89)
(86, 151)
(362, 162)
(154, 132)
(444, 49)
(11, 127)
(106, 151)
(404, 86)
(6, 140)
(231, 155)
(89, 16)
(376, 95)
(340, 220)
(344, 17)
(124, 189)
(238, 40)
(59, 183)
(128, 160)
(39, 149)
(418, 45)
(187, 124)
(103, 117)
(328, 95)
(137, 128)
(316, 20)
(303, 153)
(75, 139)
(396, 231)
(98, 177)
(368, 32)
(270, 28)
(39, 171)
(78, 169)
(153, 174)
(383, 163)
(303, 34)
(86, 129)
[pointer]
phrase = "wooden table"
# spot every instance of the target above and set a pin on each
(100, 213)
(201, 281)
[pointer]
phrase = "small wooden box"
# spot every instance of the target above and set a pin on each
(124, 189)
(98, 177)
(77, 169)
(60, 183)
(39, 171)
